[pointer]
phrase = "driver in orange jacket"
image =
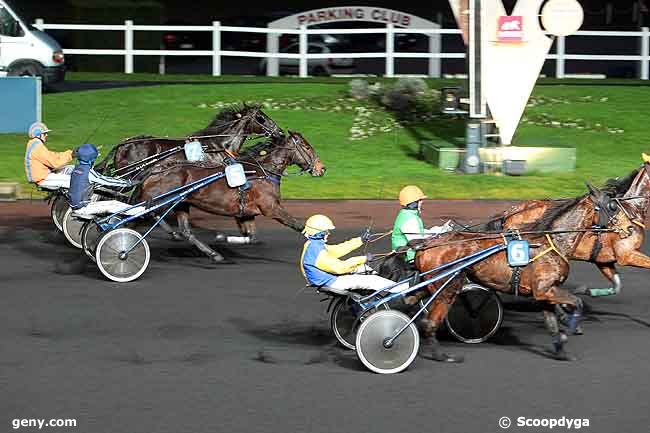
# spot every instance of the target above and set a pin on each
(43, 166)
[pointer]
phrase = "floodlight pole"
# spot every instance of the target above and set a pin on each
(474, 132)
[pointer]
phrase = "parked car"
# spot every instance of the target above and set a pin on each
(26, 51)
(182, 40)
(325, 66)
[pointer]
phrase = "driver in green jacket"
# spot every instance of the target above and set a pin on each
(408, 224)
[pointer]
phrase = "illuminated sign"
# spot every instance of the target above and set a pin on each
(510, 28)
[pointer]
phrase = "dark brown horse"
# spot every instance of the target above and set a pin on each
(540, 279)
(228, 130)
(268, 160)
(627, 209)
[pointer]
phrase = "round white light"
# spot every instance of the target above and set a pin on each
(562, 17)
(472, 160)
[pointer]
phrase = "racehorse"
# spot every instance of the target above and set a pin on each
(627, 210)
(557, 232)
(267, 160)
(228, 130)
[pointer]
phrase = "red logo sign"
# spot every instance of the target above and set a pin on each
(510, 29)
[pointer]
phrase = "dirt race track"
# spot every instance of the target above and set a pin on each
(193, 347)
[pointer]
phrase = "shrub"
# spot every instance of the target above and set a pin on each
(359, 89)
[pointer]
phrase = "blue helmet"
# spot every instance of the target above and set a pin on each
(87, 153)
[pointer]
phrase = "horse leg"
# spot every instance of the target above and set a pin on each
(428, 327)
(609, 271)
(183, 217)
(556, 295)
(167, 228)
(280, 214)
(248, 228)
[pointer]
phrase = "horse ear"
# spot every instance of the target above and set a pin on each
(593, 190)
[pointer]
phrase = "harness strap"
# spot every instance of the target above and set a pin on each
(515, 280)
(639, 223)
(551, 247)
(595, 250)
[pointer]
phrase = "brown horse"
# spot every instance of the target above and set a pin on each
(627, 209)
(268, 160)
(228, 130)
(540, 279)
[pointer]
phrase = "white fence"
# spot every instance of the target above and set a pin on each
(129, 52)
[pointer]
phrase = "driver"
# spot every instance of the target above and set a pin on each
(408, 223)
(41, 164)
(321, 264)
(81, 184)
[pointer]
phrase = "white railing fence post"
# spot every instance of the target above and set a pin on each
(272, 47)
(390, 60)
(128, 47)
(559, 62)
(303, 51)
(645, 52)
(216, 48)
(434, 62)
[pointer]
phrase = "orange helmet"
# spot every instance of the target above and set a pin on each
(409, 194)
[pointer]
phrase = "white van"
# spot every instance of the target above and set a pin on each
(24, 50)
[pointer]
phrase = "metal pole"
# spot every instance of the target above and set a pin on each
(303, 51)
(216, 48)
(128, 47)
(390, 61)
(645, 52)
(559, 63)
(434, 62)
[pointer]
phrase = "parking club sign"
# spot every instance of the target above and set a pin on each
(510, 28)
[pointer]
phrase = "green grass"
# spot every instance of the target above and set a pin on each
(375, 167)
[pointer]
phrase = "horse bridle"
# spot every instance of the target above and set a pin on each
(305, 156)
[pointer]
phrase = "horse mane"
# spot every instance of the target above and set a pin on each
(255, 149)
(229, 114)
(619, 185)
(556, 210)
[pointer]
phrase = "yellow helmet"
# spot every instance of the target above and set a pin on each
(409, 194)
(316, 224)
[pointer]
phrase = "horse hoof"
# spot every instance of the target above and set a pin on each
(578, 330)
(216, 258)
(446, 357)
(563, 355)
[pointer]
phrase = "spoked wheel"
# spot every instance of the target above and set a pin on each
(90, 234)
(72, 228)
(57, 211)
(115, 260)
(343, 319)
(371, 342)
(476, 315)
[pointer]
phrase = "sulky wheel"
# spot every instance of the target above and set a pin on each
(342, 321)
(373, 335)
(476, 314)
(113, 259)
(90, 235)
(58, 209)
(72, 228)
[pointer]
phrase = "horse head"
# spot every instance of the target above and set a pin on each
(605, 206)
(256, 121)
(304, 155)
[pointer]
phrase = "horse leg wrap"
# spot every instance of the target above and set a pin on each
(608, 291)
(574, 317)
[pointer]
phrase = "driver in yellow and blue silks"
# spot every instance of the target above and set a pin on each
(321, 263)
